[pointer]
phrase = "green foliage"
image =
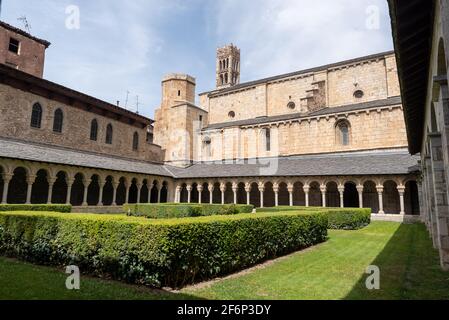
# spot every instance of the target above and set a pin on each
(36, 207)
(158, 253)
(172, 210)
(339, 218)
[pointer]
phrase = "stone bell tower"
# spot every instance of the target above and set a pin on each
(228, 66)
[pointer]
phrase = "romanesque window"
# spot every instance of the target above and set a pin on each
(358, 94)
(135, 141)
(94, 130)
(58, 121)
(266, 134)
(109, 133)
(343, 133)
(36, 116)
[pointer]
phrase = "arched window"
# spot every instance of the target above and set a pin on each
(136, 141)
(58, 121)
(109, 133)
(343, 133)
(94, 130)
(267, 137)
(36, 116)
(226, 78)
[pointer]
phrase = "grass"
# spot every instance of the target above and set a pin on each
(334, 270)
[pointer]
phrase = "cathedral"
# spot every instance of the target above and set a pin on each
(329, 136)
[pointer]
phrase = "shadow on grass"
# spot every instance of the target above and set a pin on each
(409, 269)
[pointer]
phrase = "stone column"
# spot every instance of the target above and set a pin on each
(139, 186)
(189, 193)
(127, 187)
(360, 189)
(235, 188)
(51, 183)
(306, 189)
(70, 183)
(380, 191)
(7, 177)
(86, 183)
(276, 194)
(101, 185)
(248, 193)
(30, 181)
(210, 188)
(291, 189)
(200, 189)
(401, 190)
(159, 193)
(261, 190)
(178, 194)
(222, 190)
(323, 195)
(150, 188)
(341, 191)
(115, 186)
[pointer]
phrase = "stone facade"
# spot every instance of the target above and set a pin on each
(30, 57)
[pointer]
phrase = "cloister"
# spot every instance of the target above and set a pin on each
(27, 182)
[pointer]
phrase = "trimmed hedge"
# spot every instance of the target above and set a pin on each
(339, 218)
(63, 208)
(158, 253)
(174, 210)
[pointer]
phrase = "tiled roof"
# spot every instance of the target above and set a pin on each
(326, 111)
(380, 162)
(357, 163)
(14, 149)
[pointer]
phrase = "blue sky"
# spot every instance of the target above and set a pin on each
(129, 45)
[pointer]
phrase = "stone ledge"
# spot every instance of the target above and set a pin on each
(395, 218)
(99, 209)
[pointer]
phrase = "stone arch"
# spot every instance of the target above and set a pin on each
(121, 191)
(39, 193)
(391, 197)
(254, 195)
(351, 195)
(108, 191)
(299, 197)
(332, 195)
(93, 190)
(77, 195)
(229, 194)
(284, 196)
(370, 196)
(205, 195)
(184, 193)
(195, 195)
(59, 195)
(411, 198)
(164, 192)
(343, 132)
(241, 193)
(315, 197)
(268, 195)
(17, 192)
(216, 194)
(133, 191)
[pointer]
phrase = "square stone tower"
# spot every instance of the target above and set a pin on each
(228, 66)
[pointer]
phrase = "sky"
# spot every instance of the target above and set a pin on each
(113, 47)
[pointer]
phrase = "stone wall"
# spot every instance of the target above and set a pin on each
(31, 57)
(369, 129)
(16, 108)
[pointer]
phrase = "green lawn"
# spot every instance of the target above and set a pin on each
(333, 270)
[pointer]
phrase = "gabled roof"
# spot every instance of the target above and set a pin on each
(25, 34)
(412, 24)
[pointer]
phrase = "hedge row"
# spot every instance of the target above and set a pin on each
(63, 208)
(172, 210)
(339, 218)
(158, 253)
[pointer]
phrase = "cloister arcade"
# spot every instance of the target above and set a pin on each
(26, 182)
